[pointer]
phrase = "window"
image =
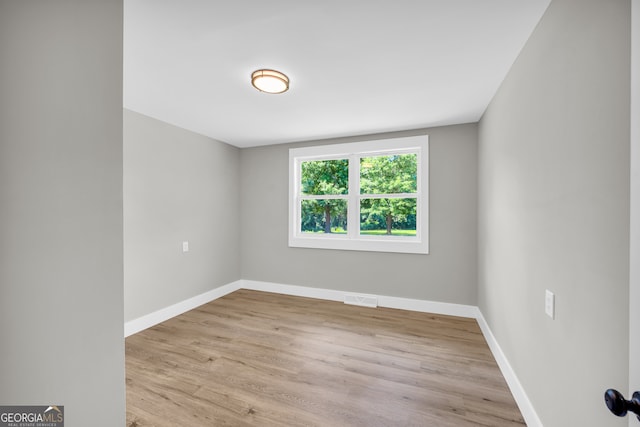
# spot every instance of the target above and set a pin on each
(368, 196)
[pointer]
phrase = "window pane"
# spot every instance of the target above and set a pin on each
(389, 174)
(390, 217)
(321, 177)
(324, 216)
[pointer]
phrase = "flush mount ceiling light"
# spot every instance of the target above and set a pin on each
(270, 81)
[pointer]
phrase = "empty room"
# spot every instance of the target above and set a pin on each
(339, 213)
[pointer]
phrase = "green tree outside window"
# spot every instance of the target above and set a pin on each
(324, 177)
(394, 174)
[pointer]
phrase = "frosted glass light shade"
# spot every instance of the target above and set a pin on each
(270, 81)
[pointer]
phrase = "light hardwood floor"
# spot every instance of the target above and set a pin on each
(260, 359)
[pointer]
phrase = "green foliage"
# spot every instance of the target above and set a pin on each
(314, 215)
(388, 174)
(324, 177)
(394, 174)
(388, 214)
(393, 232)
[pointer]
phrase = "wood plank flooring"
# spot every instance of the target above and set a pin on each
(260, 359)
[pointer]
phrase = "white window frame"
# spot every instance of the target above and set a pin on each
(418, 244)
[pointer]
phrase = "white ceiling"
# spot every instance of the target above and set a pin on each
(356, 66)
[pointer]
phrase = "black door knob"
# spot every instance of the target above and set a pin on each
(619, 406)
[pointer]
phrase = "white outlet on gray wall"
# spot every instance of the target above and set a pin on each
(550, 304)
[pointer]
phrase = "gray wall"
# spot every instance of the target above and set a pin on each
(554, 211)
(61, 272)
(634, 273)
(447, 274)
(178, 186)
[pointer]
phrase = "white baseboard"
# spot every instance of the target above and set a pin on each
(141, 323)
(424, 306)
(383, 300)
(298, 291)
(520, 396)
(469, 311)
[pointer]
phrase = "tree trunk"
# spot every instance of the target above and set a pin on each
(389, 221)
(327, 219)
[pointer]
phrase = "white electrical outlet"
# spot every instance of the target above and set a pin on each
(550, 304)
(185, 246)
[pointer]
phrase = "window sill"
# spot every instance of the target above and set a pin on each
(367, 244)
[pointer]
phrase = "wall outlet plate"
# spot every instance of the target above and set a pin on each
(550, 304)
